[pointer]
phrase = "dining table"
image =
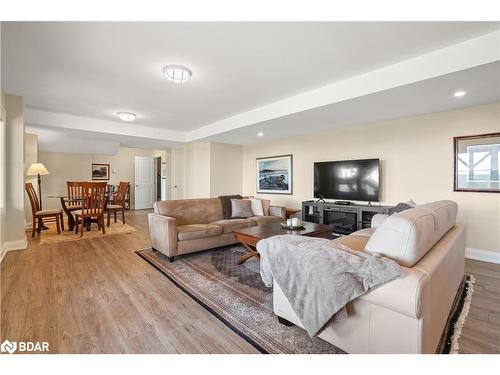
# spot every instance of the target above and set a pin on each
(65, 200)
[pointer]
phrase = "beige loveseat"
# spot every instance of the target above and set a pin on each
(406, 315)
(184, 226)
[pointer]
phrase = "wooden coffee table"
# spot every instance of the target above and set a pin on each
(250, 236)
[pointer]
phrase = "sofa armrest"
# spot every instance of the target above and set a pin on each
(378, 219)
(277, 211)
(406, 295)
(163, 233)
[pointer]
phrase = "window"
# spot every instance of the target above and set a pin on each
(476, 163)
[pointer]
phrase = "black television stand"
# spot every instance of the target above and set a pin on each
(344, 218)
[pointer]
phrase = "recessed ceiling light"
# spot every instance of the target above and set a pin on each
(126, 116)
(177, 73)
(260, 134)
(459, 93)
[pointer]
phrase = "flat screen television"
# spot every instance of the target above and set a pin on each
(348, 180)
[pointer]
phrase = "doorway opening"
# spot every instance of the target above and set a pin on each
(158, 177)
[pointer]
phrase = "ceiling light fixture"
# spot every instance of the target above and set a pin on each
(260, 134)
(177, 73)
(126, 116)
(459, 94)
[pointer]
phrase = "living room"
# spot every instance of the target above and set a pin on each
(289, 199)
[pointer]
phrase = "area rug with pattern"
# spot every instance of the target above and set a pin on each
(51, 235)
(237, 296)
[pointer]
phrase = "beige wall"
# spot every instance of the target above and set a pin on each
(30, 157)
(77, 167)
(212, 169)
(417, 163)
(62, 167)
(197, 170)
(225, 169)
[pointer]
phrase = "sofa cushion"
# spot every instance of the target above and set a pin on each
(225, 201)
(241, 208)
(194, 231)
(365, 232)
(229, 225)
(265, 219)
(190, 211)
(407, 236)
(353, 241)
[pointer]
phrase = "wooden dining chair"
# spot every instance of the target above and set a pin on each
(50, 215)
(111, 194)
(74, 201)
(119, 202)
(93, 203)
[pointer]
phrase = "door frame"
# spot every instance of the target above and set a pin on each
(156, 178)
(153, 182)
(174, 171)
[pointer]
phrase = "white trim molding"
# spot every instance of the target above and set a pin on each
(483, 255)
(13, 246)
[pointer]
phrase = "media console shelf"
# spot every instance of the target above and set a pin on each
(344, 218)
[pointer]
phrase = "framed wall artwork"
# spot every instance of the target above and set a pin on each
(476, 161)
(100, 172)
(274, 175)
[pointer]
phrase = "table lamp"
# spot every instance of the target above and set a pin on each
(38, 169)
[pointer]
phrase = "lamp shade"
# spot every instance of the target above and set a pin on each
(37, 169)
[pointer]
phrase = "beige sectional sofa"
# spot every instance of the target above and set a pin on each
(406, 315)
(188, 225)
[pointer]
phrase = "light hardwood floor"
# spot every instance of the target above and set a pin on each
(97, 296)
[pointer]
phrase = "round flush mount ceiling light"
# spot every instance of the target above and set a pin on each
(459, 93)
(177, 73)
(260, 134)
(126, 116)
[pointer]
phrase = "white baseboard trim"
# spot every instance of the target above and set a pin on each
(13, 246)
(483, 255)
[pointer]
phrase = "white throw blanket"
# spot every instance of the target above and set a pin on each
(319, 277)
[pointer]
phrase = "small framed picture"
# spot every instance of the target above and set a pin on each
(274, 175)
(476, 163)
(100, 171)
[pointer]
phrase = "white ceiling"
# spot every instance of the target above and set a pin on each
(96, 69)
(240, 71)
(433, 95)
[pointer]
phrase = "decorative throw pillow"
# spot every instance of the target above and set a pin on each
(266, 203)
(257, 207)
(241, 208)
(399, 208)
(225, 201)
(411, 203)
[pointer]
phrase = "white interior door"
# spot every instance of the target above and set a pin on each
(144, 182)
(178, 173)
